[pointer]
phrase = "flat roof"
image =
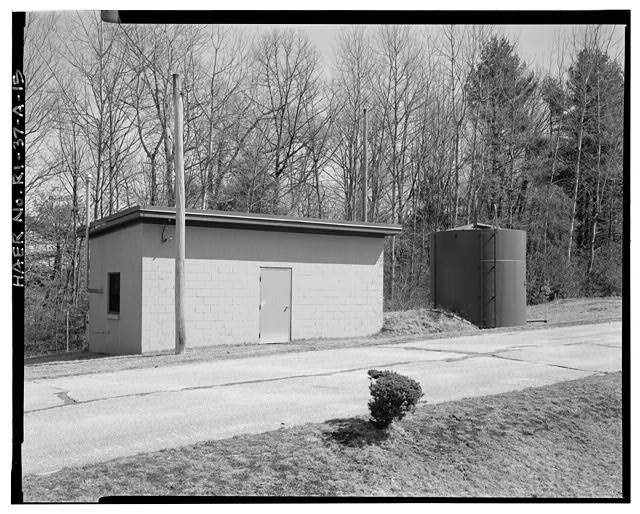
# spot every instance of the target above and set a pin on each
(474, 226)
(239, 220)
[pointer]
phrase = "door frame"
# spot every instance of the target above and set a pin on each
(290, 268)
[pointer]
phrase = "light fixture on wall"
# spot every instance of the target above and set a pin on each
(166, 236)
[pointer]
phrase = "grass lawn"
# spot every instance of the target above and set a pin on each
(400, 326)
(562, 440)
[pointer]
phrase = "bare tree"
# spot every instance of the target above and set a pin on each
(287, 76)
(402, 84)
(72, 150)
(155, 52)
(457, 74)
(93, 92)
(40, 68)
(224, 117)
(353, 92)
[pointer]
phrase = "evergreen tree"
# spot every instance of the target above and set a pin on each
(500, 90)
(593, 153)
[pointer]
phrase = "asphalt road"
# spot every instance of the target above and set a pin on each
(76, 420)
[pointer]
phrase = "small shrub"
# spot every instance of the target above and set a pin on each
(393, 396)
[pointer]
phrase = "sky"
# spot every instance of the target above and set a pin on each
(535, 43)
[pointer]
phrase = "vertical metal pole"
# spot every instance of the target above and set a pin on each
(393, 271)
(482, 295)
(433, 270)
(56, 325)
(495, 271)
(180, 332)
(365, 171)
(67, 330)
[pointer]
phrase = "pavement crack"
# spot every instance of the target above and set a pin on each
(460, 356)
(580, 343)
(546, 364)
(64, 396)
(293, 377)
(464, 355)
(67, 400)
(437, 350)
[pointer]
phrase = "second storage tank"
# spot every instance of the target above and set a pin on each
(479, 272)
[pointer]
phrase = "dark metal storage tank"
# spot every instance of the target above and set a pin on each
(479, 272)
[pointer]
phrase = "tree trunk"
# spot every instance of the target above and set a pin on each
(598, 201)
(553, 171)
(574, 203)
(471, 200)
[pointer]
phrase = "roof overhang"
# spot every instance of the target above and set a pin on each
(239, 220)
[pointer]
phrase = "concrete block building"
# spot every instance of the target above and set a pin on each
(250, 278)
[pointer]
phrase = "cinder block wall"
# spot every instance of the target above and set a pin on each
(336, 284)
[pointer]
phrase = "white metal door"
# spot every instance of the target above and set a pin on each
(275, 305)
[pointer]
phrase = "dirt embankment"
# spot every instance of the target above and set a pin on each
(577, 310)
(423, 321)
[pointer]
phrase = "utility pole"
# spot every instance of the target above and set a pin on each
(365, 171)
(86, 225)
(180, 332)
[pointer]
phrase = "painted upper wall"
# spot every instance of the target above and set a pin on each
(264, 246)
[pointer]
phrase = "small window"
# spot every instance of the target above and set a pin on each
(114, 293)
